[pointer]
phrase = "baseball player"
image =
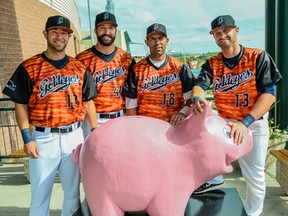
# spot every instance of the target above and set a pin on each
(158, 85)
(109, 67)
(244, 86)
(52, 92)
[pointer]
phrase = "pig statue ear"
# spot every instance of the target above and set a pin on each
(208, 110)
(76, 153)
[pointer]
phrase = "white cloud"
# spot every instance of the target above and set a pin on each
(187, 22)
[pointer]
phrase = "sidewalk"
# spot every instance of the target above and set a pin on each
(15, 192)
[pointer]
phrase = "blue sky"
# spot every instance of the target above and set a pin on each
(187, 22)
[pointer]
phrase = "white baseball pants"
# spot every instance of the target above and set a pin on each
(55, 155)
(253, 165)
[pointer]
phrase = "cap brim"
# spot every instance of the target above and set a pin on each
(156, 32)
(61, 27)
(107, 22)
(233, 26)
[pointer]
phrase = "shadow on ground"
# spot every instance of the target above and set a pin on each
(16, 211)
(14, 176)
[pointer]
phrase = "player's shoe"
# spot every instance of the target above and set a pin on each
(208, 187)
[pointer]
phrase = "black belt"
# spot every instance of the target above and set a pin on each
(67, 129)
(109, 116)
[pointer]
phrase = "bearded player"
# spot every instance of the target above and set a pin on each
(109, 67)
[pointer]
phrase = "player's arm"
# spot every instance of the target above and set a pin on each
(187, 81)
(131, 106)
(22, 118)
(262, 105)
(184, 112)
(130, 93)
(90, 117)
(267, 76)
(198, 99)
(88, 93)
(203, 82)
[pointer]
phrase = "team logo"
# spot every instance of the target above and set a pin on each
(10, 85)
(226, 132)
(56, 84)
(220, 20)
(108, 75)
(156, 26)
(155, 83)
(60, 20)
(229, 82)
(106, 16)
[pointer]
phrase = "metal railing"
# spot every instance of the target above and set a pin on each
(10, 136)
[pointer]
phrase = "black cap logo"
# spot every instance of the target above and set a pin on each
(156, 26)
(223, 20)
(106, 16)
(60, 20)
(220, 20)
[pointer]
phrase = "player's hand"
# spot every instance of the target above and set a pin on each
(31, 149)
(177, 118)
(238, 131)
(197, 107)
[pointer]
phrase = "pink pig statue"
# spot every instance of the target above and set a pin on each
(139, 163)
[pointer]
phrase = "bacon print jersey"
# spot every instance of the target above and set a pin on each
(54, 95)
(109, 75)
(236, 89)
(159, 91)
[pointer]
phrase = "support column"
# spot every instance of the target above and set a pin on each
(270, 35)
(281, 61)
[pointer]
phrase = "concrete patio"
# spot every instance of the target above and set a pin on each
(15, 192)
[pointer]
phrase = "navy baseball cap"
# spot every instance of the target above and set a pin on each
(223, 20)
(58, 21)
(106, 17)
(156, 27)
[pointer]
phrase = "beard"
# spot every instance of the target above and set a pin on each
(104, 42)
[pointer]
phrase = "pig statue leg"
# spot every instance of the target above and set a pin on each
(105, 207)
(167, 206)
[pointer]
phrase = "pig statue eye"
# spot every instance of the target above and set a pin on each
(226, 132)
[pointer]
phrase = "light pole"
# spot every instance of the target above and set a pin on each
(90, 24)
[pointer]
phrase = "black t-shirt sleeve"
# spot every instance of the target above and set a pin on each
(187, 79)
(205, 76)
(88, 89)
(266, 71)
(130, 85)
(19, 87)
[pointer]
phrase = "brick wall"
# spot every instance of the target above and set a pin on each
(21, 26)
(10, 44)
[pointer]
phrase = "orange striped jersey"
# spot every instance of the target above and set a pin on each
(236, 88)
(159, 91)
(109, 75)
(54, 94)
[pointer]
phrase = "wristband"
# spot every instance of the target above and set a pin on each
(26, 135)
(195, 99)
(248, 120)
(185, 110)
